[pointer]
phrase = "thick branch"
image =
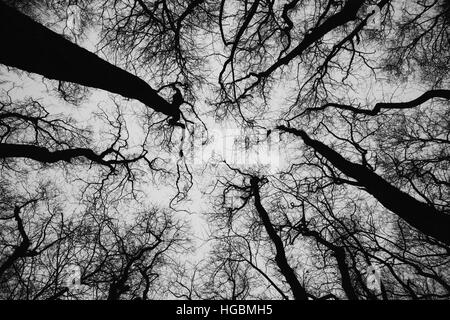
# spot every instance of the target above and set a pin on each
(420, 215)
(29, 46)
(440, 93)
(348, 13)
(339, 254)
(297, 289)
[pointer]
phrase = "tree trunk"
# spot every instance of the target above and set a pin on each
(29, 46)
(298, 290)
(421, 216)
(20, 250)
(339, 254)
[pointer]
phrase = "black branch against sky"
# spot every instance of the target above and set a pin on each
(420, 215)
(30, 46)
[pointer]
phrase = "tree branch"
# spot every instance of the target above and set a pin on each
(440, 93)
(41, 154)
(420, 215)
(297, 289)
(30, 46)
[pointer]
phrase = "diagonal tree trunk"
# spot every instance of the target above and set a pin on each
(298, 290)
(420, 215)
(30, 46)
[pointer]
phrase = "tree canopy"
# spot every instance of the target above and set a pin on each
(263, 149)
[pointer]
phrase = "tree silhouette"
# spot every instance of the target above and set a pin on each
(128, 194)
(57, 58)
